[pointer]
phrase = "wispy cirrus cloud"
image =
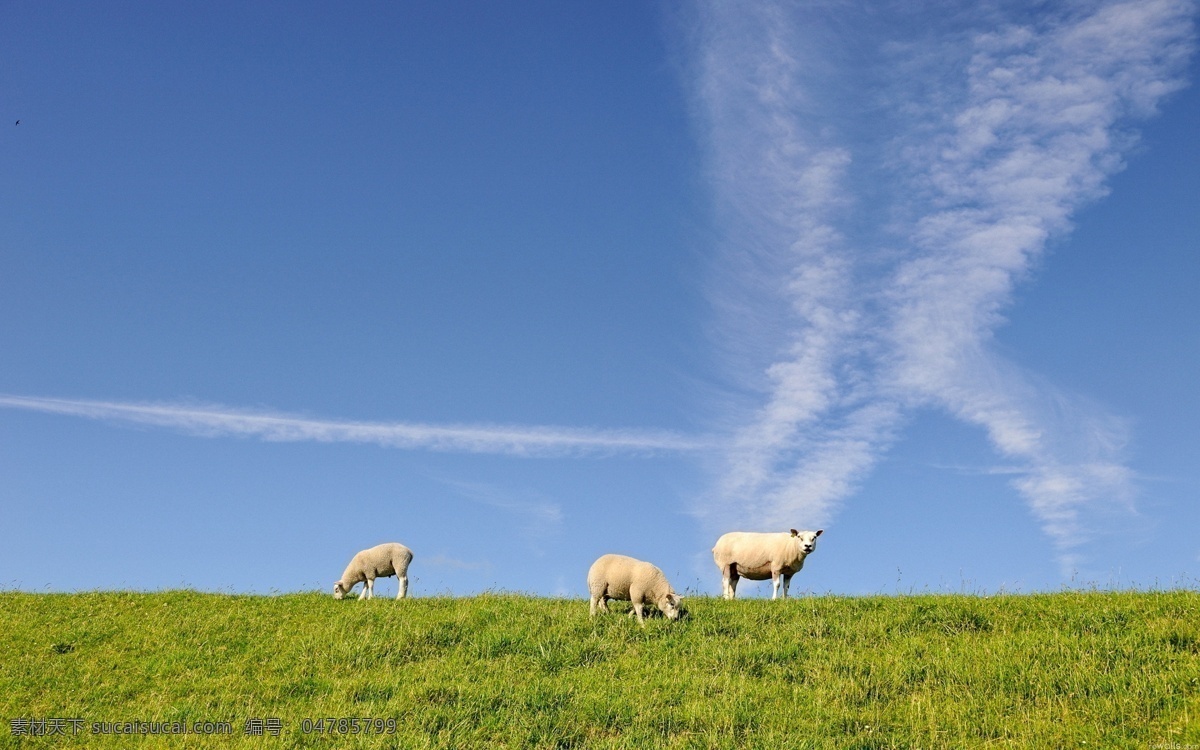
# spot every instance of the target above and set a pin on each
(885, 176)
(222, 421)
(790, 314)
(540, 516)
(537, 510)
(453, 563)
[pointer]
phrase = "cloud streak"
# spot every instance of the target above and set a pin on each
(885, 176)
(220, 421)
(541, 518)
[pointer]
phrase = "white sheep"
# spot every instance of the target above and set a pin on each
(390, 559)
(628, 579)
(777, 556)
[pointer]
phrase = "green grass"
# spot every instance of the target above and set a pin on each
(1063, 670)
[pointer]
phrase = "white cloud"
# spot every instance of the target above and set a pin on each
(537, 510)
(221, 421)
(880, 206)
(539, 518)
(453, 563)
(781, 190)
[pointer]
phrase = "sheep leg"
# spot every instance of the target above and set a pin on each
(787, 581)
(776, 579)
(598, 603)
(368, 591)
(729, 581)
(639, 608)
(403, 582)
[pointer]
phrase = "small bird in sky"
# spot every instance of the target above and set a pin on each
(18, 122)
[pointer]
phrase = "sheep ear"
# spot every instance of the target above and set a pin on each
(819, 532)
(795, 533)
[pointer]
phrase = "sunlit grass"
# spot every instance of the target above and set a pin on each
(1109, 669)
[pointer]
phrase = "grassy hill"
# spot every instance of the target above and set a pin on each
(1072, 669)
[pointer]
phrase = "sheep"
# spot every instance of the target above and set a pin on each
(756, 556)
(629, 579)
(390, 559)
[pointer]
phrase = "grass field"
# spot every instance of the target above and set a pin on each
(1063, 670)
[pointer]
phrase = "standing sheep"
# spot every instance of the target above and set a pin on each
(632, 580)
(384, 560)
(777, 556)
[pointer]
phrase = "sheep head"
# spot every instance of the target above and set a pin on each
(807, 539)
(671, 606)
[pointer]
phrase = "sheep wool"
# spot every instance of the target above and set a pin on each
(629, 579)
(382, 561)
(777, 556)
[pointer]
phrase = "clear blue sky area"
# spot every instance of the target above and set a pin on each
(521, 284)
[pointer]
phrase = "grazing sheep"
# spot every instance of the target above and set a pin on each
(628, 579)
(777, 556)
(384, 560)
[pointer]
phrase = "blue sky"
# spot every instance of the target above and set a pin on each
(519, 286)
